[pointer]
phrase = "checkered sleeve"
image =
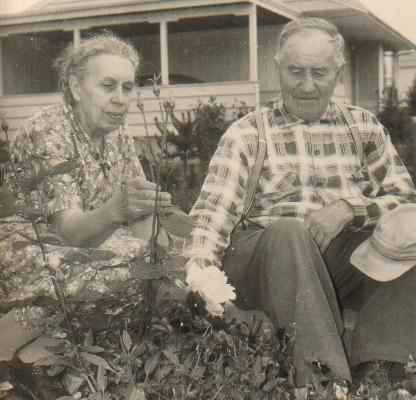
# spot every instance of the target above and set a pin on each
(220, 204)
(386, 182)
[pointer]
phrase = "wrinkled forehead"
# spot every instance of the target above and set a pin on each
(309, 43)
(110, 65)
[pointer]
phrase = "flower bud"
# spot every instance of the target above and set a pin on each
(156, 89)
(169, 103)
(4, 124)
(139, 102)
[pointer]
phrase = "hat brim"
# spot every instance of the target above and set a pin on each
(366, 258)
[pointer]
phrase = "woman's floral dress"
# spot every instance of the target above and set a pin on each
(61, 169)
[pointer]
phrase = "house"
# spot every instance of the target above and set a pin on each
(407, 73)
(202, 48)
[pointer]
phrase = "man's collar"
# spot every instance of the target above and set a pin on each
(283, 117)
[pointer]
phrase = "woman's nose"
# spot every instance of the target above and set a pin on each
(118, 96)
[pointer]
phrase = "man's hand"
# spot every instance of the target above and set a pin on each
(327, 223)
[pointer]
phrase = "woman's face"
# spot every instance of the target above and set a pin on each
(104, 94)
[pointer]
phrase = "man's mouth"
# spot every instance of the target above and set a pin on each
(306, 99)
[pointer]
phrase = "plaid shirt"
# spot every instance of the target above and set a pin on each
(306, 167)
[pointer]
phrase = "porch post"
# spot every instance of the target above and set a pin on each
(1, 69)
(77, 37)
(252, 22)
(396, 70)
(381, 76)
(164, 60)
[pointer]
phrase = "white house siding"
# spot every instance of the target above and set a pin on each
(407, 73)
(20, 107)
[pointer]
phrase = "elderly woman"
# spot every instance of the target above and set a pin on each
(79, 165)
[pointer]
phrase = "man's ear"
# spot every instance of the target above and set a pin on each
(340, 73)
(75, 87)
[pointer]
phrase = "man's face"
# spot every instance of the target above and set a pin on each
(308, 73)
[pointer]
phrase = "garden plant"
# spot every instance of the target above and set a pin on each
(164, 344)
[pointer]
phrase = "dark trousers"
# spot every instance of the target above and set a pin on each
(281, 271)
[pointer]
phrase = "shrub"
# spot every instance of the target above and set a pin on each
(402, 129)
(411, 98)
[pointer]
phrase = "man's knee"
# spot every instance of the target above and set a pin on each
(287, 228)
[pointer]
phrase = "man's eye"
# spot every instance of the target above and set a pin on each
(320, 72)
(295, 71)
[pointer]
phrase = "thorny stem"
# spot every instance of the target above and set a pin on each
(153, 256)
(165, 128)
(152, 173)
(57, 288)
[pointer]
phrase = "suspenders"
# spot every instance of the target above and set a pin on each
(345, 118)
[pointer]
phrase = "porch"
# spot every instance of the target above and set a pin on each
(199, 51)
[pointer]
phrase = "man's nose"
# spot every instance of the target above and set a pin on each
(308, 84)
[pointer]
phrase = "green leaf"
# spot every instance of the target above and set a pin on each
(7, 203)
(93, 349)
(126, 340)
(46, 361)
(4, 152)
(101, 379)
(96, 360)
(273, 384)
(175, 221)
(88, 341)
(55, 369)
(171, 356)
(151, 363)
(146, 270)
(161, 373)
(135, 393)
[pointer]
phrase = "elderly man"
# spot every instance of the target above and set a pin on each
(314, 203)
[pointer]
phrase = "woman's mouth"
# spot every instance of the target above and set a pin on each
(115, 116)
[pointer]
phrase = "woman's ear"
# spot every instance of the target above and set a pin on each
(75, 87)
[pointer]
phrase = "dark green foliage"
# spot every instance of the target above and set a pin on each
(411, 98)
(402, 129)
(210, 123)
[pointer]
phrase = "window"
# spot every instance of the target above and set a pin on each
(27, 61)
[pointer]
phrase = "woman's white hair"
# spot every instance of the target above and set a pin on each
(73, 60)
(306, 24)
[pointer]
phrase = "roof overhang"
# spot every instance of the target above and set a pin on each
(363, 26)
(64, 13)
(355, 22)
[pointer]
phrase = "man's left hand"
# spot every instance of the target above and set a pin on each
(328, 222)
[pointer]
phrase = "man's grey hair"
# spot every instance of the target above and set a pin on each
(306, 24)
(73, 60)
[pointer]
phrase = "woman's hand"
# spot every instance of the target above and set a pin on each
(91, 228)
(137, 200)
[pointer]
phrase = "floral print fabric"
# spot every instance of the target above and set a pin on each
(58, 164)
